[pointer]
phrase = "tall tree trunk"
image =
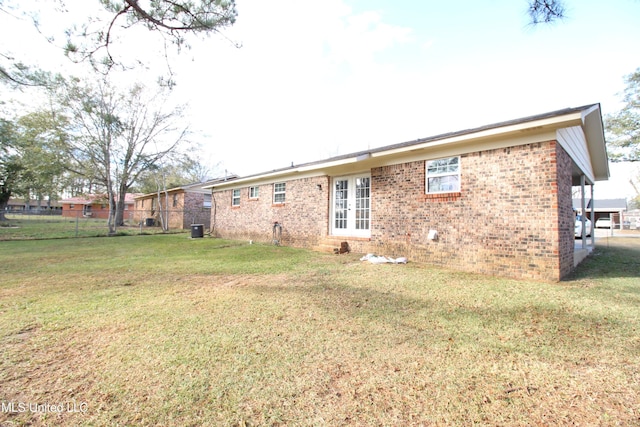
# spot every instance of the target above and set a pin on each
(161, 211)
(3, 207)
(5, 195)
(111, 221)
(27, 202)
(164, 213)
(122, 195)
(166, 209)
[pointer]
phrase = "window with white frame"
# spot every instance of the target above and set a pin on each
(279, 190)
(207, 201)
(443, 175)
(235, 198)
(253, 192)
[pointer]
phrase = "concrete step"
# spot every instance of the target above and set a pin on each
(330, 245)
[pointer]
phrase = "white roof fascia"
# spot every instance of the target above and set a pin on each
(450, 149)
(551, 123)
(574, 142)
(460, 143)
(594, 131)
(329, 164)
(262, 179)
(232, 182)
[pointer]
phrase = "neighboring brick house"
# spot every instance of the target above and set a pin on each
(494, 200)
(92, 206)
(186, 205)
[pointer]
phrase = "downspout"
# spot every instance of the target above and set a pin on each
(214, 206)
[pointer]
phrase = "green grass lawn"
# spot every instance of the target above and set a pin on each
(168, 330)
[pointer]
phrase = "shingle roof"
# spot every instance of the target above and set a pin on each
(613, 204)
(195, 187)
(603, 204)
(95, 198)
(434, 139)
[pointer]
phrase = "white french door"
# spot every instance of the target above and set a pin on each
(351, 207)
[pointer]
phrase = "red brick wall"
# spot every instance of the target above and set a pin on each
(566, 216)
(303, 216)
(512, 217)
(505, 220)
(194, 211)
(97, 210)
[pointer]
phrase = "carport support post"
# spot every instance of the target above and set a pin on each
(582, 214)
(593, 220)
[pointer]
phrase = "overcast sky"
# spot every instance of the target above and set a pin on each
(314, 79)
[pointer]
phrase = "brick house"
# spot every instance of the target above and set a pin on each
(494, 200)
(92, 206)
(186, 205)
(34, 206)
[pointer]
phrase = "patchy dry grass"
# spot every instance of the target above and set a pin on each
(167, 330)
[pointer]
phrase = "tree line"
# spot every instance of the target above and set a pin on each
(96, 139)
(93, 136)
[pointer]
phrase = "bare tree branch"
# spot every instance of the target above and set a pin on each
(116, 136)
(546, 11)
(91, 42)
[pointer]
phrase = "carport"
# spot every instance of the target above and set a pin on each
(585, 145)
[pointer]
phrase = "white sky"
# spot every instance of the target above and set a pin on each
(316, 79)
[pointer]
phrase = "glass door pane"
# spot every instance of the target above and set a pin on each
(341, 204)
(351, 206)
(363, 192)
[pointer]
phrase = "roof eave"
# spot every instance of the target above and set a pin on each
(586, 116)
(594, 132)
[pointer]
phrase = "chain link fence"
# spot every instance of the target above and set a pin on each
(24, 225)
